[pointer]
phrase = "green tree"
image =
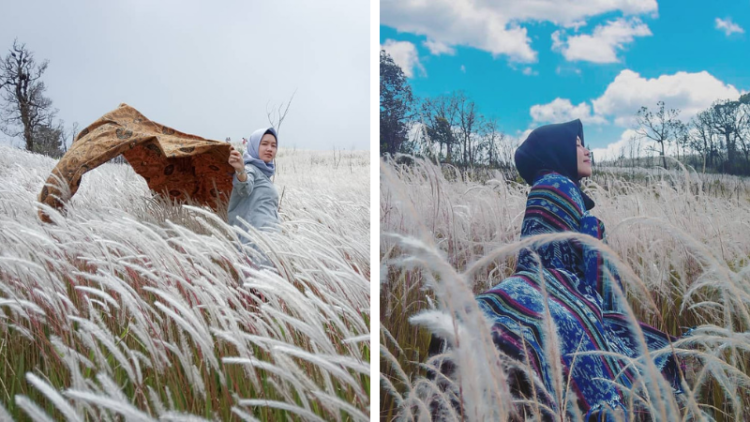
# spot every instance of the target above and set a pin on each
(440, 131)
(726, 120)
(440, 116)
(49, 139)
(396, 102)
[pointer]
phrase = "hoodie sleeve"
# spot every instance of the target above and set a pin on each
(244, 188)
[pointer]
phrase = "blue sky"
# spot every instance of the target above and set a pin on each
(535, 62)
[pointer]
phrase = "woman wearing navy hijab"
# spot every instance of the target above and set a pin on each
(581, 297)
(254, 197)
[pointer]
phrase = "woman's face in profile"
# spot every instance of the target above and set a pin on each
(584, 159)
(267, 148)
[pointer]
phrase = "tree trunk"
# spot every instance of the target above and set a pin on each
(27, 129)
(663, 157)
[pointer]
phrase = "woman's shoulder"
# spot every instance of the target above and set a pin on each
(553, 180)
(559, 185)
(256, 174)
(253, 171)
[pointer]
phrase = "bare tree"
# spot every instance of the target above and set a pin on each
(633, 150)
(743, 134)
(508, 146)
(659, 127)
(726, 121)
(681, 136)
(25, 107)
(702, 138)
(276, 116)
(492, 137)
(440, 117)
(468, 123)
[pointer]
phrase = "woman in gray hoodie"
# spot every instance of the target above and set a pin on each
(254, 198)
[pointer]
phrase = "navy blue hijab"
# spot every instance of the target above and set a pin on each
(552, 148)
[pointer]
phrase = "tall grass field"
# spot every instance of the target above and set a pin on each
(680, 241)
(132, 308)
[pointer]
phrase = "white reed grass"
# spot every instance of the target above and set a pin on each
(680, 241)
(161, 300)
(64, 407)
(304, 413)
(32, 410)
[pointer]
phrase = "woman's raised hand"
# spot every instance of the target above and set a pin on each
(235, 160)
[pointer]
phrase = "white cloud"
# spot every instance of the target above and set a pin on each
(628, 139)
(603, 44)
(493, 26)
(575, 26)
(689, 92)
(567, 70)
(728, 26)
(631, 144)
(437, 48)
(463, 68)
(528, 71)
(562, 110)
(405, 55)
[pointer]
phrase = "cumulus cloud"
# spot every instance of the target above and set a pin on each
(405, 55)
(728, 26)
(495, 26)
(629, 139)
(691, 93)
(437, 48)
(631, 144)
(688, 92)
(603, 44)
(562, 110)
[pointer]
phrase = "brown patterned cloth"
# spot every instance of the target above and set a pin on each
(174, 164)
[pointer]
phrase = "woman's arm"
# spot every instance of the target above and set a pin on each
(244, 187)
(242, 181)
(241, 175)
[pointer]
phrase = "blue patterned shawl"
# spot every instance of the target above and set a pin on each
(581, 302)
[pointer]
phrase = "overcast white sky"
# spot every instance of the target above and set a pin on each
(206, 68)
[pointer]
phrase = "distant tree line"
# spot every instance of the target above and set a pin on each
(717, 139)
(450, 129)
(25, 111)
